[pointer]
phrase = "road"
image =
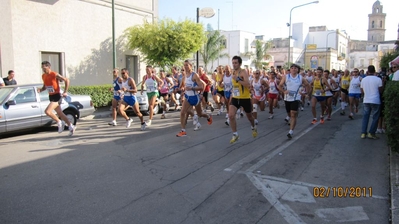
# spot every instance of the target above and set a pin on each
(107, 174)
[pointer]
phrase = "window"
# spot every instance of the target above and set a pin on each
(372, 38)
(132, 67)
(246, 45)
(381, 23)
(361, 62)
(56, 60)
(371, 61)
(25, 95)
(372, 24)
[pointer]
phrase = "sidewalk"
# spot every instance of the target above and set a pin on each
(394, 182)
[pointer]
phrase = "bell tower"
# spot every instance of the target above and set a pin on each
(376, 31)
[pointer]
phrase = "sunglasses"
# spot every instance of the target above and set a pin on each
(394, 67)
(355, 71)
(123, 73)
(257, 73)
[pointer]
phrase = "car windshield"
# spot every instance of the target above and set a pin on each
(4, 92)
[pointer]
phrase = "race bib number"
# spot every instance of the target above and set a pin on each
(318, 92)
(236, 92)
(50, 89)
(257, 88)
(116, 93)
(291, 93)
(272, 88)
(227, 86)
(151, 88)
(345, 82)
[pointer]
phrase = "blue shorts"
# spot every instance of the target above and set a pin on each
(117, 98)
(227, 94)
(192, 100)
(130, 100)
(355, 95)
(320, 98)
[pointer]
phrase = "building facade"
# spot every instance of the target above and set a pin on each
(75, 36)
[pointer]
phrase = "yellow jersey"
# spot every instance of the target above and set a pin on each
(345, 81)
(239, 91)
(219, 79)
(317, 87)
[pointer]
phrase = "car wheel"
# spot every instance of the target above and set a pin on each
(156, 109)
(71, 116)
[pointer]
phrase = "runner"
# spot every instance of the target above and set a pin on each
(205, 94)
(329, 93)
(337, 90)
(152, 82)
(164, 92)
(293, 81)
(227, 85)
(240, 98)
(192, 86)
(273, 93)
(51, 84)
(354, 92)
(129, 99)
(176, 83)
(345, 80)
(258, 88)
(309, 78)
(117, 95)
(320, 85)
(219, 89)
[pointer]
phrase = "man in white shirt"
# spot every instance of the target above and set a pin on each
(395, 68)
(371, 87)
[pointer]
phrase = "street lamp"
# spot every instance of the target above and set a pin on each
(289, 25)
(113, 36)
(325, 66)
(206, 13)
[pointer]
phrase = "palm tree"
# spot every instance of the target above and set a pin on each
(213, 47)
(260, 54)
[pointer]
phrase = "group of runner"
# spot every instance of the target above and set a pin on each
(238, 91)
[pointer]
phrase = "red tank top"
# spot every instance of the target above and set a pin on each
(207, 82)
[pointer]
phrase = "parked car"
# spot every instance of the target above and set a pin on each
(82, 102)
(22, 107)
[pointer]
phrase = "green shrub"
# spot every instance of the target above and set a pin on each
(391, 113)
(100, 95)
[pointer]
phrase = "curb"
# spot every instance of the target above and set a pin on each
(394, 182)
(97, 115)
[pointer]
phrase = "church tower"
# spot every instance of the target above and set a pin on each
(376, 31)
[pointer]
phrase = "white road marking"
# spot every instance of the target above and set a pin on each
(288, 214)
(289, 192)
(347, 214)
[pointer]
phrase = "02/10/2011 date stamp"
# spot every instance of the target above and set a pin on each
(342, 192)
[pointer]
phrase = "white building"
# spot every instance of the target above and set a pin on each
(75, 36)
(239, 43)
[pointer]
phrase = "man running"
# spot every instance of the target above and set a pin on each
(117, 86)
(354, 92)
(293, 82)
(273, 93)
(164, 92)
(152, 82)
(192, 85)
(329, 93)
(320, 85)
(129, 99)
(258, 88)
(51, 84)
(227, 85)
(241, 97)
(345, 80)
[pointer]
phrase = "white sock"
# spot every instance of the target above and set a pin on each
(291, 132)
(235, 133)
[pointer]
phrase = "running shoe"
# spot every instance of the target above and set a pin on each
(254, 132)
(113, 123)
(181, 134)
(195, 119)
(163, 116)
(314, 121)
(321, 120)
(329, 118)
(234, 139)
(61, 126)
(212, 109)
(227, 122)
(167, 107)
(289, 135)
(301, 108)
(242, 114)
(342, 112)
(287, 119)
(129, 122)
(148, 123)
(209, 119)
(197, 126)
(219, 112)
(271, 116)
(351, 116)
(363, 136)
(143, 126)
(371, 136)
(72, 129)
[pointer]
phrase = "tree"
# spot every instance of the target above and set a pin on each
(388, 57)
(213, 47)
(165, 42)
(260, 55)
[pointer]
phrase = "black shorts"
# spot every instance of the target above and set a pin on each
(244, 103)
(205, 95)
(164, 94)
(345, 91)
(55, 98)
(221, 93)
(291, 105)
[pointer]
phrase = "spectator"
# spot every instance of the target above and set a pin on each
(371, 87)
(9, 80)
(395, 68)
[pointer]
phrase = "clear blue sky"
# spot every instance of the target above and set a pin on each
(269, 18)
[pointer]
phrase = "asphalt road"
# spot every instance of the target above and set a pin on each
(107, 174)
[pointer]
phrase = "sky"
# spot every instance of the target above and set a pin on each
(269, 17)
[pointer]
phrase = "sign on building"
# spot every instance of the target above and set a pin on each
(311, 46)
(314, 62)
